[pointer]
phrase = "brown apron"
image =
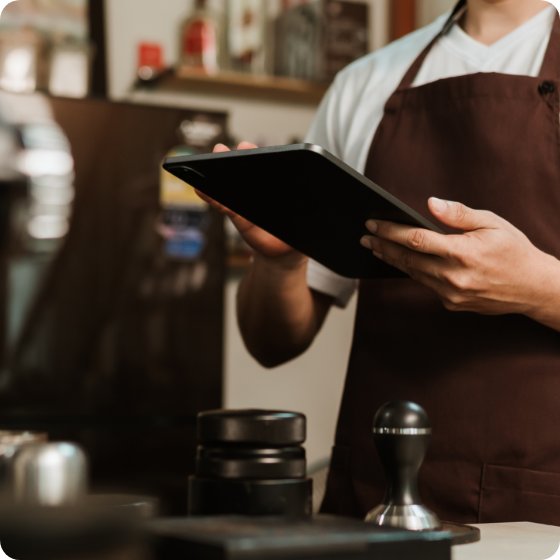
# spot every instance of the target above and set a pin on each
(491, 385)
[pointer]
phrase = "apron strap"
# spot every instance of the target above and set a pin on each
(551, 62)
(415, 68)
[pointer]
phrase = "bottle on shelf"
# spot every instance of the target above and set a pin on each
(316, 40)
(201, 40)
(69, 66)
(248, 46)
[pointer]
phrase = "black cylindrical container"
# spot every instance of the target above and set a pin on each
(250, 462)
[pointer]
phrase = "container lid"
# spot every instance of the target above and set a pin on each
(255, 427)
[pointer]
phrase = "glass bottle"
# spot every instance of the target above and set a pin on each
(247, 37)
(200, 40)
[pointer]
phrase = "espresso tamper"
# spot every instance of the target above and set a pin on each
(402, 432)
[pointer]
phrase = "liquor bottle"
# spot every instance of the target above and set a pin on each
(201, 40)
(247, 36)
(315, 40)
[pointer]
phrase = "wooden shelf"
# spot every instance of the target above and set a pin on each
(237, 84)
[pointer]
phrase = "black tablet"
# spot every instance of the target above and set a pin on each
(306, 197)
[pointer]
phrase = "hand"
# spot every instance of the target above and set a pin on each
(490, 269)
(261, 241)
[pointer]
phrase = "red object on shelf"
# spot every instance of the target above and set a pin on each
(403, 18)
(151, 55)
(199, 38)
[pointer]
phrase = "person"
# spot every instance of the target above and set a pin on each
(460, 120)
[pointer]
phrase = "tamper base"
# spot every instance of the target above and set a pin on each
(413, 517)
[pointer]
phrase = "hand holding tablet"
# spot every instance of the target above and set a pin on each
(257, 238)
(303, 196)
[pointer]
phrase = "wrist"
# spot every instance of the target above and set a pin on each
(544, 305)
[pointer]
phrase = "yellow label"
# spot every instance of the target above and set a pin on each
(177, 193)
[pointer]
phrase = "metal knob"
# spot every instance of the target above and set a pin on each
(47, 474)
(402, 432)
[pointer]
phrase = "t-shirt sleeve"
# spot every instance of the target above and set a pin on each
(323, 132)
(326, 281)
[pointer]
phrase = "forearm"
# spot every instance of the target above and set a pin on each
(278, 314)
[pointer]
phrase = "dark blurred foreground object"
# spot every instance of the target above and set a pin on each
(324, 537)
(70, 533)
(121, 346)
(250, 462)
(315, 40)
(136, 507)
(402, 433)
(46, 514)
(35, 474)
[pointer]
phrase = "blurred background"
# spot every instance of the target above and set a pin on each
(117, 284)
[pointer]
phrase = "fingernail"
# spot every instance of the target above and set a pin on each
(366, 242)
(439, 205)
(372, 226)
(378, 255)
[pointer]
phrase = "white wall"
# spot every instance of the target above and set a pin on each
(428, 10)
(311, 384)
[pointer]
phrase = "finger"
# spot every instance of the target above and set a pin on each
(246, 146)
(214, 204)
(210, 201)
(406, 259)
(422, 268)
(417, 239)
(219, 148)
(240, 223)
(459, 216)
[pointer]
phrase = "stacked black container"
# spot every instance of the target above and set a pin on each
(250, 462)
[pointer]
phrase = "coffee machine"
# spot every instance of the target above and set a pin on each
(108, 338)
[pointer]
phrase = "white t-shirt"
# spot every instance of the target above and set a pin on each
(353, 107)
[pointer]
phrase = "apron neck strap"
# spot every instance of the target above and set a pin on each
(415, 68)
(551, 62)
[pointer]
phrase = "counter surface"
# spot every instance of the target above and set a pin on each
(512, 541)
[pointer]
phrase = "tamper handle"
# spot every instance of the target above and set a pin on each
(402, 456)
(402, 432)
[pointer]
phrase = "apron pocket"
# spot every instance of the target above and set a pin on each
(336, 481)
(508, 494)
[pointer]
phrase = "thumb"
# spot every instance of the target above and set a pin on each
(459, 216)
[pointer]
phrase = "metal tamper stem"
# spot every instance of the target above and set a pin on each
(402, 432)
